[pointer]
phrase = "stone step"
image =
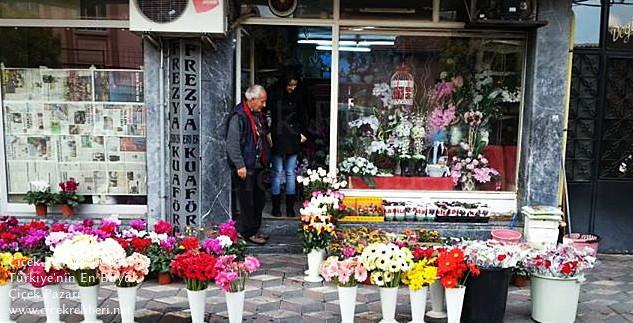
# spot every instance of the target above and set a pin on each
(279, 243)
(300, 282)
(322, 293)
(261, 304)
(302, 305)
(322, 317)
(334, 306)
(263, 281)
(283, 291)
(278, 316)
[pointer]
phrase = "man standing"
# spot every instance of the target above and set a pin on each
(246, 147)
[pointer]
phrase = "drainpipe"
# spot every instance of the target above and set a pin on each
(161, 95)
(563, 192)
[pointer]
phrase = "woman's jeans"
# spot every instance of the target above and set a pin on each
(284, 165)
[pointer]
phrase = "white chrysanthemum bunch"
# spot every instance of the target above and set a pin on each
(358, 166)
(83, 252)
(387, 263)
(316, 179)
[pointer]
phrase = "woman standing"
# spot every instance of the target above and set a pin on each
(286, 131)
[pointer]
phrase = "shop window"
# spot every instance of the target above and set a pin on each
(73, 108)
(429, 113)
(287, 8)
(587, 23)
(620, 25)
(72, 9)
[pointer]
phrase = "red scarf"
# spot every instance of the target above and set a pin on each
(251, 119)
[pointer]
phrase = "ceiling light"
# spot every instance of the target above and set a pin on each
(345, 49)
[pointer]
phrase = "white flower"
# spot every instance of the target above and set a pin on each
(39, 186)
(300, 179)
(225, 241)
(322, 172)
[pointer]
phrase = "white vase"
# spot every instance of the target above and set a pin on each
(50, 294)
(388, 301)
(127, 303)
(5, 302)
(197, 302)
(315, 258)
(418, 304)
(347, 303)
(89, 297)
(555, 299)
(454, 303)
(235, 306)
(437, 301)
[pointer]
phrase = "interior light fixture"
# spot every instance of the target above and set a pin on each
(345, 48)
(324, 42)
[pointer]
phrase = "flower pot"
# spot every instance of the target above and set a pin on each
(5, 302)
(486, 296)
(41, 209)
(89, 297)
(347, 303)
(469, 183)
(388, 300)
(235, 306)
(164, 278)
(417, 298)
(315, 258)
(127, 303)
(454, 303)
(555, 299)
(197, 301)
(67, 210)
(520, 280)
(50, 294)
(438, 310)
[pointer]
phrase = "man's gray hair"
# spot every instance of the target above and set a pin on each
(254, 92)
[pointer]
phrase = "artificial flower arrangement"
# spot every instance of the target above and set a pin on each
(563, 261)
(320, 180)
(225, 241)
(127, 271)
(348, 272)
(423, 272)
(316, 227)
(493, 254)
(196, 268)
(39, 195)
(10, 265)
(468, 168)
(454, 269)
(387, 263)
(232, 273)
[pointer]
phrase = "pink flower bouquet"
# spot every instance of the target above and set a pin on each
(345, 273)
(232, 274)
(126, 272)
(40, 274)
(564, 261)
(471, 167)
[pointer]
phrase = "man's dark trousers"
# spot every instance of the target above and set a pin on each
(251, 198)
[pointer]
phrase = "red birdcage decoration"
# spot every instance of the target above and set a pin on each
(402, 86)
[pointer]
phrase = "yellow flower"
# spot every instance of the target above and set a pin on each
(420, 275)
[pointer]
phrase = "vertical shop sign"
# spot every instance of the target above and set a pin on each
(184, 130)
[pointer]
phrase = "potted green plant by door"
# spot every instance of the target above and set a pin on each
(67, 197)
(39, 195)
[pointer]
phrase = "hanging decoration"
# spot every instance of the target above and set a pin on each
(402, 86)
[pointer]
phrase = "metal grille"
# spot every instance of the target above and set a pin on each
(162, 11)
(617, 134)
(582, 114)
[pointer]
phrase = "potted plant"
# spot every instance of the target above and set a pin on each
(557, 273)
(126, 273)
(454, 270)
(161, 251)
(387, 263)
(10, 265)
(420, 276)
(39, 195)
(67, 198)
(231, 277)
(315, 231)
(486, 294)
(197, 269)
(40, 274)
(346, 275)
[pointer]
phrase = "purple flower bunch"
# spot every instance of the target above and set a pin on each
(471, 166)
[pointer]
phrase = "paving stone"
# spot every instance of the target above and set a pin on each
(321, 317)
(322, 293)
(216, 304)
(300, 281)
(246, 315)
(283, 291)
(367, 295)
(161, 289)
(261, 304)
(173, 300)
(251, 291)
(622, 307)
(334, 306)
(368, 317)
(301, 305)
(262, 281)
(279, 316)
(609, 283)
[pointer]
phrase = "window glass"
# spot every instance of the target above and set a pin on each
(429, 113)
(453, 10)
(73, 108)
(620, 25)
(285, 8)
(65, 9)
(587, 23)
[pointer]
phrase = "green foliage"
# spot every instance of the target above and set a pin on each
(34, 197)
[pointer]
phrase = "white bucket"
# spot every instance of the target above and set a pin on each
(235, 306)
(315, 258)
(555, 299)
(388, 301)
(417, 298)
(347, 303)
(51, 294)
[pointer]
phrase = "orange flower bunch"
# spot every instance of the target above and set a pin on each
(453, 269)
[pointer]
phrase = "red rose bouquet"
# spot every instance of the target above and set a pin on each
(196, 268)
(453, 269)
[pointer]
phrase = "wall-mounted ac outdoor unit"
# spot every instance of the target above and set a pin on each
(178, 16)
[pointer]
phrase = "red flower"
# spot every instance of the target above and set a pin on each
(108, 228)
(124, 244)
(69, 186)
(162, 227)
(194, 265)
(58, 227)
(141, 244)
(8, 237)
(548, 263)
(190, 243)
(473, 269)
(422, 253)
(449, 281)
(501, 257)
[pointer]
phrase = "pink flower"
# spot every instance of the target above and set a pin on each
(349, 252)
(251, 264)
(225, 280)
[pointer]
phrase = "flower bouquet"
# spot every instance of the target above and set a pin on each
(197, 269)
(9, 233)
(422, 274)
(42, 275)
(359, 166)
(67, 198)
(454, 270)
(231, 277)
(557, 274)
(10, 265)
(32, 239)
(346, 274)
(387, 264)
(320, 180)
(126, 273)
(39, 195)
(225, 241)
(161, 251)
(316, 228)
(332, 200)
(471, 168)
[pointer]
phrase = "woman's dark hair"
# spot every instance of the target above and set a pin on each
(289, 76)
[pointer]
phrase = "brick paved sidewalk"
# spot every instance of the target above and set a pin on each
(278, 294)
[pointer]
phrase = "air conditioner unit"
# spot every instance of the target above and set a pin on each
(178, 16)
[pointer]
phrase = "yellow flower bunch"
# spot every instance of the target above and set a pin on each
(10, 264)
(421, 274)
